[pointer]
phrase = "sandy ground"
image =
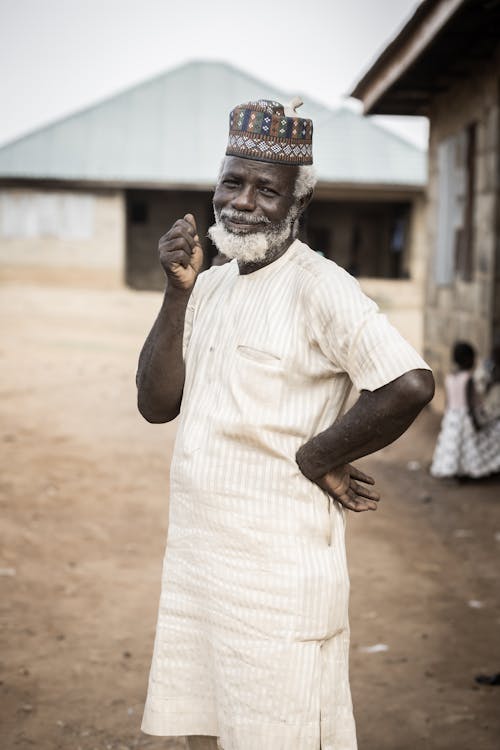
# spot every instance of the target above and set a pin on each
(84, 513)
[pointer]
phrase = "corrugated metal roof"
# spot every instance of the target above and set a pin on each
(172, 129)
(349, 148)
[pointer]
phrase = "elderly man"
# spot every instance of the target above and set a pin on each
(258, 357)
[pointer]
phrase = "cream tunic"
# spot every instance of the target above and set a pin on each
(252, 636)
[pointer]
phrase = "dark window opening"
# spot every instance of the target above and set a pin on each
(397, 244)
(367, 238)
(319, 239)
(464, 234)
(138, 212)
(354, 247)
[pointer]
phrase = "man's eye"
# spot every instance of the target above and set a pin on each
(230, 183)
(268, 191)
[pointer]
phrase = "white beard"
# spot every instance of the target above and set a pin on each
(251, 247)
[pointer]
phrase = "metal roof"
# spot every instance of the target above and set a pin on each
(172, 130)
(349, 148)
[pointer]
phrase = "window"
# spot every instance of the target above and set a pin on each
(465, 239)
(455, 207)
(397, 243)
(138, 212)
(64, 215)
(319, 239)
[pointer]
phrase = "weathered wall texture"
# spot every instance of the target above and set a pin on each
(66, 236)
(466, 309)
(402, 301)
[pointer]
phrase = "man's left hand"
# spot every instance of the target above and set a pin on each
(343, 485)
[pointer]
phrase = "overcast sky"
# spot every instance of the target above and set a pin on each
(57, 56)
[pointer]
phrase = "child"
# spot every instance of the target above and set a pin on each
(490, 399)
(464, 449)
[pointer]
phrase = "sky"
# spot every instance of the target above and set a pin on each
(58, 56)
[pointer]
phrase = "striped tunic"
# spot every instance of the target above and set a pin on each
(252, 636)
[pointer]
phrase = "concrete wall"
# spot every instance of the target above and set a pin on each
(358, 235)
(417, 258)
(66, 236)
(151, 213)
(402, 301)
(466, 309)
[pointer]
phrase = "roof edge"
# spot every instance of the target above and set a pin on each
(98, 185)
(421, 150)
(409, 43)
(131, 87)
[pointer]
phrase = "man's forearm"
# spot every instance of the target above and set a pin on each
(160, 374)
(376, 419)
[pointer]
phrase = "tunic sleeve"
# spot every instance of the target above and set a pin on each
(356, 337)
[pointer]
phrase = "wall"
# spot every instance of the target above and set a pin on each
(402, 301)
(464, 309)
(150, 214)
(358, 235)
(64, 236)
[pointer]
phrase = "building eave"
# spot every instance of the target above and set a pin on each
(405, 49)
(324, 189)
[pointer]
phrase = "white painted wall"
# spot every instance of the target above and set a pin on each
(49, 233)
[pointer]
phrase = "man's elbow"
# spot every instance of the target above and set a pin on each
(419, 388)
(155, 414)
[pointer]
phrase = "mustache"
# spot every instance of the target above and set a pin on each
(233, 215)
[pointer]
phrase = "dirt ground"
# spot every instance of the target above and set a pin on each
(84, 499)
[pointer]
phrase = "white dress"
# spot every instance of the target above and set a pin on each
(252, 636)
(462, 450)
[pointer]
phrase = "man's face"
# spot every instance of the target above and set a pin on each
(257, 189)
(255, 208)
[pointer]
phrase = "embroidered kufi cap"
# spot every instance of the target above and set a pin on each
(268, 131)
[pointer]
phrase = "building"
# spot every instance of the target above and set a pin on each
(88, 197)
(445, 64)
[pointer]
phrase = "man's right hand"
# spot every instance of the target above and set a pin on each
(181, 255)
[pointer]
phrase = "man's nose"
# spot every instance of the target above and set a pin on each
(245, 200)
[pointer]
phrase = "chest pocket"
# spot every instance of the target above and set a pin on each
(260, 377)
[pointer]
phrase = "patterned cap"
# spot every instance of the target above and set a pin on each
(267, 131)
